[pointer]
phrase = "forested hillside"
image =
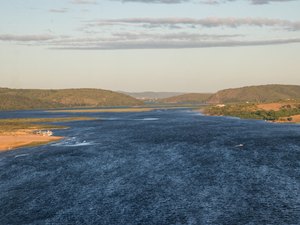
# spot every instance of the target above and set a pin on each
(192, 98)
(263, 93)
(16, 99)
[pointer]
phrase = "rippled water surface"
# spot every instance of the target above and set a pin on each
(159, 167)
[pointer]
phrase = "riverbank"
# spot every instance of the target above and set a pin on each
(109, 110)
(125, 110)
(16, 133)
(10, 142)
(278, 112)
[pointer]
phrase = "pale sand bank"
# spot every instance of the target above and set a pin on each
(20, 132)
(9, 142)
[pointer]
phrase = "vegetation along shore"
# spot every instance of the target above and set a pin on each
(282, 112)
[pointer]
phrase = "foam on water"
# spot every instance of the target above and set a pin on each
(124, 119)
(21, 155)
(148, 119)
(73, 142)
(111, 118)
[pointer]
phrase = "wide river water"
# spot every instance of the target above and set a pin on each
(160, 167)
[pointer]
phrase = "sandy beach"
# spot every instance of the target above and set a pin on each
(9, 142)
(21, 132)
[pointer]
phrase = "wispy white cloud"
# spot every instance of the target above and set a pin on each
(155, 1)
(205, 22)
(174, 44)
(254, 2)
(63, 10)
(26, 38)
(156, 33)
(84, 1)
(260, 2)
(142, 36)
(144, 40)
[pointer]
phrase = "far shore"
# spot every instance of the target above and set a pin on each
(295, 118)
(266, 107)
(119, 110)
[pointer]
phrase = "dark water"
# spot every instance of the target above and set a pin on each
(160, 167)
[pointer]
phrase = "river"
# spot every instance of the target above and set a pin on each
(159, 167)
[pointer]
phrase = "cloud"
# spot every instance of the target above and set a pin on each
(175, 44)
(254, 2)
(84, 1)
(212, 2)
(178, 36)
(64, 10)
(172, 40)
(143, 40)
(260, 2)
(206, 22)
(26, 38)
(142, 36)
(156, 1)
(134, 33)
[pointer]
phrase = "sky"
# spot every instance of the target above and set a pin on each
(149, 45)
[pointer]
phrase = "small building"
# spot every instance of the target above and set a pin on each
(44, 132)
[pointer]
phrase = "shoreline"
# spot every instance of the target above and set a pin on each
(274, 112)
(296, 118)
(23, 132)
(13, 141)
(112, 110)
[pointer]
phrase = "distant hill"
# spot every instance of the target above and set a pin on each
(17, 99)
(263, 93)
(192, 98)
(151, 95)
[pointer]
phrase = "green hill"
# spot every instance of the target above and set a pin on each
(192, 98)
(18, 99)
(263, 93)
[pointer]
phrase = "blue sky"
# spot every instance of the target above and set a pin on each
(158, 45)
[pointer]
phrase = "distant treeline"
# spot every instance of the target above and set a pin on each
(250, 111)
